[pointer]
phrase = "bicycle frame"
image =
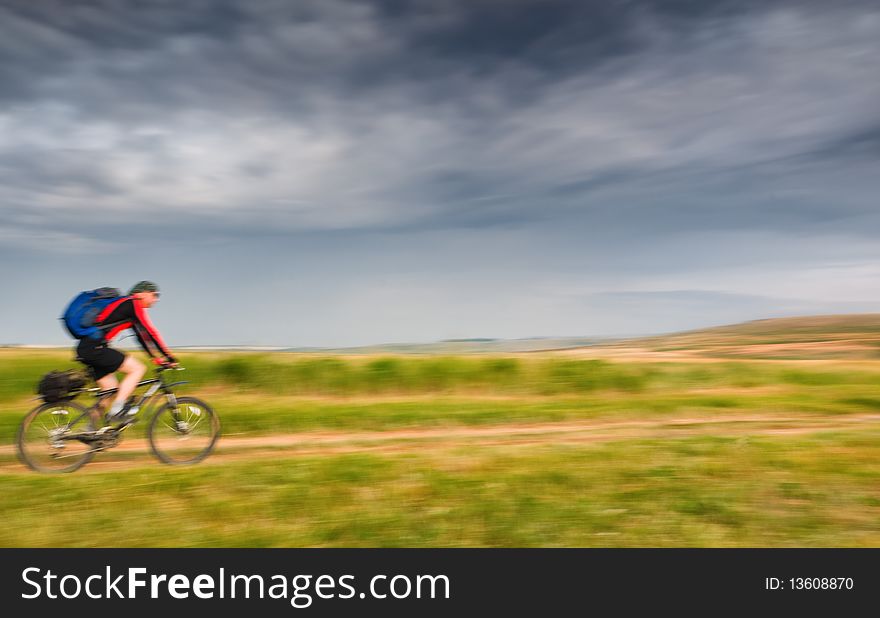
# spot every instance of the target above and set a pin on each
(146, 402)
(158, 384)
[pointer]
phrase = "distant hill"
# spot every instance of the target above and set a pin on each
(855, 336)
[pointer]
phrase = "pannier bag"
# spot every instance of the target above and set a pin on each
(79, 317)
(58, 386)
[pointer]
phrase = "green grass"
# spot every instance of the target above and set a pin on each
(300, 374)
(256, 413)
(817, 491)
(292, 374)
(259, 393)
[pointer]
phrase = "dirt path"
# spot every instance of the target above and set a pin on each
(316, 443)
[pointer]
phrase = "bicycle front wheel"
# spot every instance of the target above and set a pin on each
(54, 437)
(185, 433)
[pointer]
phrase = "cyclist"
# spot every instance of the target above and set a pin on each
(104, 361)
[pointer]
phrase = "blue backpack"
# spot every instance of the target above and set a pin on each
(79, 317)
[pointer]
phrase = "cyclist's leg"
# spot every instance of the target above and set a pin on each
(106, 383)
(103, 405)
(100, 365)
(134, 370)
(105, 362)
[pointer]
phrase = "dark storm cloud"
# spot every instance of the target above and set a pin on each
(168, 52)
(294, 41)
(861, 145)
(467, 90)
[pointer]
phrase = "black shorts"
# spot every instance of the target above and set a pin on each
(101, 358)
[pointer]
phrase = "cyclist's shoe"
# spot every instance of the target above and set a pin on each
(125, 413)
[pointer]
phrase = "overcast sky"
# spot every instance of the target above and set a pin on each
(331, 172)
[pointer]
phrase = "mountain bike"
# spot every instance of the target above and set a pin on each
(64, 436)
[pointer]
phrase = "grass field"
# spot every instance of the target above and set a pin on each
(524, 450)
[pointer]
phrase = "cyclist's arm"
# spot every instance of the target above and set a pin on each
(147, 333)
(148, 347)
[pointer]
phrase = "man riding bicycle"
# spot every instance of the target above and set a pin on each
(104, 361)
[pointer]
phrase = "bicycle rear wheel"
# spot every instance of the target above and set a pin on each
(185, 433)
(47, 437)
